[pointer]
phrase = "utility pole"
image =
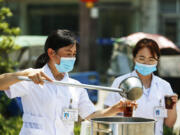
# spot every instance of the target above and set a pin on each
(88, 36)
(149, 18)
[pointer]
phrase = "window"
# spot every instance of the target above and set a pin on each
(45, 18)
(170, 19)
(168, 6)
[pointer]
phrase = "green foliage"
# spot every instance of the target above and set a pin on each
(4, 102)
(7, 40)
(168, 131)
(8, 125)
(77, 128)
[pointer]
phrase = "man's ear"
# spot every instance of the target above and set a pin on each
(51, 53)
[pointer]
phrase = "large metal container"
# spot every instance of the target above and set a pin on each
(122, 126)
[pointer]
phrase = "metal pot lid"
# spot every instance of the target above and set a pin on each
(122, 120)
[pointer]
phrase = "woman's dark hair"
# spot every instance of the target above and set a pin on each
(148, 43)
(57, 39)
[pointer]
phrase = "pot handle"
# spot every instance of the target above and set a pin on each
(107, 131)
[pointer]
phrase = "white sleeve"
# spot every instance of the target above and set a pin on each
(85, 107)
(113, 97)
(19, 89)
(167, 89)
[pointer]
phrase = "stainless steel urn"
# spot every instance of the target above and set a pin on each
(122, 126)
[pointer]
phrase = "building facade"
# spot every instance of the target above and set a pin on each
(115, 18)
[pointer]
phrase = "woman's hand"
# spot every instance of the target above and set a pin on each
(172, 113)
(120, 107)
(117, 108)
(131, 103)
(36, 75)
(110, 111)
(113, 110)
(174, 99)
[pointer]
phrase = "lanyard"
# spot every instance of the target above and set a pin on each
(70, 103)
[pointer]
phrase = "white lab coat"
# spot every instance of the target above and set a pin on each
(43, 105)
(159, 88)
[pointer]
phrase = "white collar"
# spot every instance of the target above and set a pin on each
(48, 72)
(154, 77)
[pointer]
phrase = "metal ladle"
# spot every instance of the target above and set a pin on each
(130, 88)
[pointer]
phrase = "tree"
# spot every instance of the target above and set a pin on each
(7, 39)
(8, 125)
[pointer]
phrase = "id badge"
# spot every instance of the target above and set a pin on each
(160, 112)
(70, 115)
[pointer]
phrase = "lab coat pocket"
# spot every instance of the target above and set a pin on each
(33, 125)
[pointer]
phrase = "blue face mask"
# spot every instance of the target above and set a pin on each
(145, 69)
(66, 64)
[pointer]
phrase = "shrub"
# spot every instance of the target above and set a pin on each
(8, 125)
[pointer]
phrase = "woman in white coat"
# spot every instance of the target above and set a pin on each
(146, 55)
(51, 109)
